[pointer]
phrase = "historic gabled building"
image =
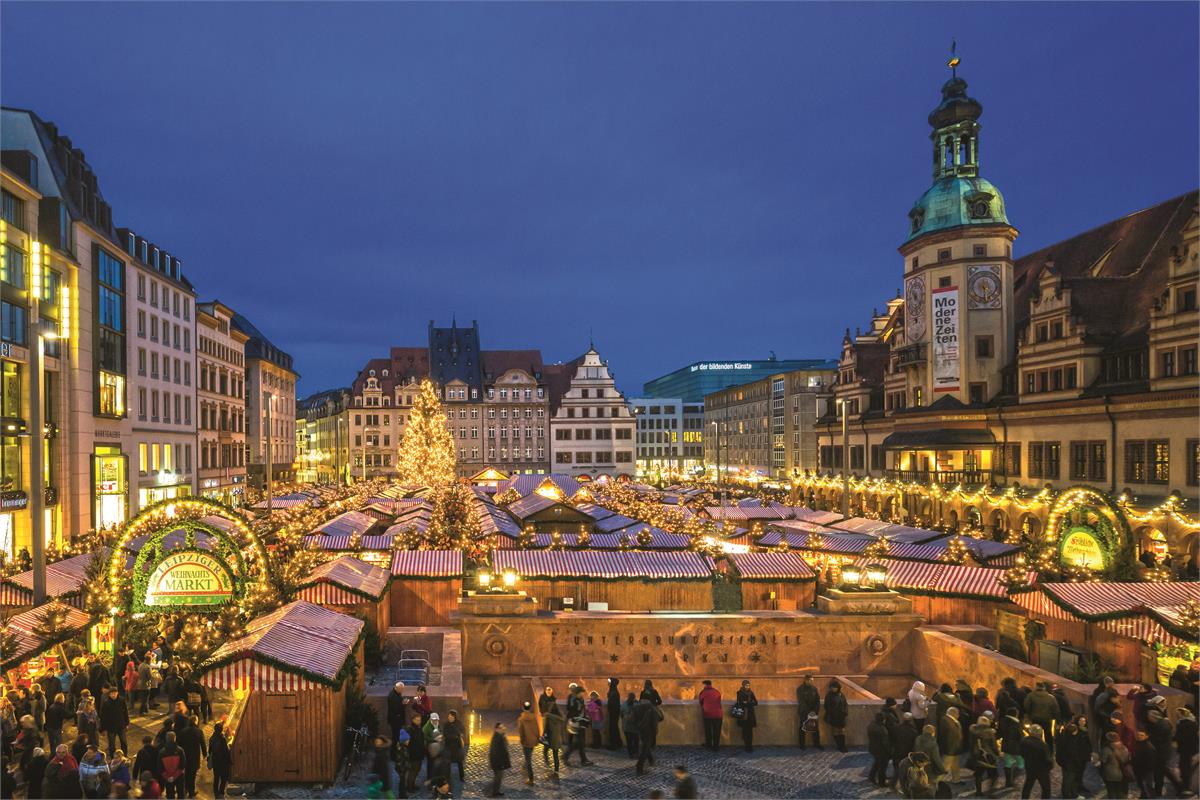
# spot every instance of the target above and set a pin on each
(1075, 365)
(496, 402)
(592, 427)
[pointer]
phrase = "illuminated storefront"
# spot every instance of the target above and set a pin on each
(109, 485)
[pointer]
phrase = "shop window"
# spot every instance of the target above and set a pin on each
(10, 464)
(112, 395)
(10, 391)
(13, 323)
(1193, 462)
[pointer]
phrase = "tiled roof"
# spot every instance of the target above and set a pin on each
(300, 637)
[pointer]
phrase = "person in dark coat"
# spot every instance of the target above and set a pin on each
(191, 739)
(220, 760)
(555, 729)
(146, 759)
(879, 745)
(1073, 752)
(381, 767)
(61, 779)
(1037, 762)
(613, 713)
(98, 677)
(118, 668)
(748, 719)
(498, 758)
(808, 700)
(35, 773)
(1187, 744)
(649, 691)
(1011, 732)
(836, 711)
(1142, 761)
(172, 766)
(56, 715)
(1161, 734)
(397, 709)
(685, 784)
(629, 724)
(456, 743)
(416, 751)
(904, 737)
(646, 719)
(79, 682)
(114, 719)
(577, 726)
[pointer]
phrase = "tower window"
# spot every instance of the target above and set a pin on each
(916, 262)
(944, 255)
(943, 282)
(980, 250)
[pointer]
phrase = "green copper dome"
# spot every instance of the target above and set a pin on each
(954, 202)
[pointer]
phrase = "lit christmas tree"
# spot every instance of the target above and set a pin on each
(956, 551)
(426, 455)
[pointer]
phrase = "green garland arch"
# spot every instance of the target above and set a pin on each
(1113, 531)
(251, 554)
(151, 555)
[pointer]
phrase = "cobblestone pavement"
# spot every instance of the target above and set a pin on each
(769, 772)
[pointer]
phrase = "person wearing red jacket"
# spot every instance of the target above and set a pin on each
(710, 709)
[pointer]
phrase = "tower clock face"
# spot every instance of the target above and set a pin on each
(984, 287)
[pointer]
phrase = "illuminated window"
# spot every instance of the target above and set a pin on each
(112, 395)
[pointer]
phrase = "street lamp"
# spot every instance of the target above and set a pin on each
(876, 574)
(851, 576)
(845, 461)
(37, 467)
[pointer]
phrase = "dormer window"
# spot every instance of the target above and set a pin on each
(917, 216)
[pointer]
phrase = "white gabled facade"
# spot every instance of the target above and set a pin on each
(592, 430)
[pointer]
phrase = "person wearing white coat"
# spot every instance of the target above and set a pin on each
(918, 703)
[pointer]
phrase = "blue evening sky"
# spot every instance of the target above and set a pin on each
(689, 181)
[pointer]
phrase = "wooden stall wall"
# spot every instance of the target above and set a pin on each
(290, 737)
(1122, 652)
(622, 595)
(958, 610)
(789, 595)
(423, 603)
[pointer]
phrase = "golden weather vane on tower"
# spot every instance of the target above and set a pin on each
(952, 63)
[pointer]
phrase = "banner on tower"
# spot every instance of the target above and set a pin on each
(945, 339)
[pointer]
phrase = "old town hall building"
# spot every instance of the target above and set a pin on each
(993, 384)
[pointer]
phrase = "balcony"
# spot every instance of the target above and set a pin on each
(953, 477)
(911, 354)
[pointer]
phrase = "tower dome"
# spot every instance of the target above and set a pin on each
(959, 197)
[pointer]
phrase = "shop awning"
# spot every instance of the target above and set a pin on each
(939, 439)
(26, 643)
(1147, 611)
(64, 579)
(427, 563)
(772, 567)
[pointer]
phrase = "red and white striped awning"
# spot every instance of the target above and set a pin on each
(345, 577)
(26, 643)
(247, 674)
(301, 638)
(64, 577)
(603, 564)
(330, 543)
(427, 563)
(1135, 610)
(951, 580)
(772, 566)
(349, 523)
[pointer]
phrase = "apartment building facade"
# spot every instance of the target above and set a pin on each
(592, 427)
(221, 397)
(270, 391)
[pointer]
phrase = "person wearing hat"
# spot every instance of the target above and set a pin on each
(397, 709)
(808, 701)
(35, 771)
(529, 733)
(1161, 733)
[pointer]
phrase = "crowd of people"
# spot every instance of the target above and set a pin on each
(933, 739)
(66, 735)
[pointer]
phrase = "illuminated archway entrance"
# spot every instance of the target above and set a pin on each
(1088, 531)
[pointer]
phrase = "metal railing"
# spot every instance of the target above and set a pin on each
(943, 477)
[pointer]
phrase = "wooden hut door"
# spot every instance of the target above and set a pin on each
(283, 713)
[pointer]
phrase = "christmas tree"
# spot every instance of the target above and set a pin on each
(426, 455)
(452, 520)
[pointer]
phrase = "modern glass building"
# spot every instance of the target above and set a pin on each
(694, 381)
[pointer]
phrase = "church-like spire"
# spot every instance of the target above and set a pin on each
(955, 125)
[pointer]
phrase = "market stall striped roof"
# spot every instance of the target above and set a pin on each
(772, 566)
(357, 576)
(949, 580)
(380, 510)
(427, 563)
(836, 543)
(493, 521)
(615, 522)
(596, 512)
(63, 579)
(526, 485)
(743, 513)
(1148, 611)
(809, 515)
(26, 643)
(287, 500)
(301, 638)
(603, 565)
(348, 523)
(659, 539)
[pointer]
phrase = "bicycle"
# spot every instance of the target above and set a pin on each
(357, 737)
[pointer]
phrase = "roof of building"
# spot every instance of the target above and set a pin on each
(260, 347)
(772, 566)
(353, 574)
(427, 563)
(300, 637)
(27, 643)
(603, 565)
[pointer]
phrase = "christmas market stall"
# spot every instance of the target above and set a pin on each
(64, 581)
(773, 581)
(1144, 630)
(425, 587)
(289, 676)
(32, 642)
(351, 586)
(951, 594)
(610, 580)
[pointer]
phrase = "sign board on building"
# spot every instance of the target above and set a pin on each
(721, 366)
(13, 500)
(945, 339)
(189, 578)
(1080, 548)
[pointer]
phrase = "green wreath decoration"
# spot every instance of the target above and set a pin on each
(152, 554)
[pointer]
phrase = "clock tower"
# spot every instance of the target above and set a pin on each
(958, 268)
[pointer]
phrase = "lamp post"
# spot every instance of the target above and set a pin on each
(37, 466)
(270, 398)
